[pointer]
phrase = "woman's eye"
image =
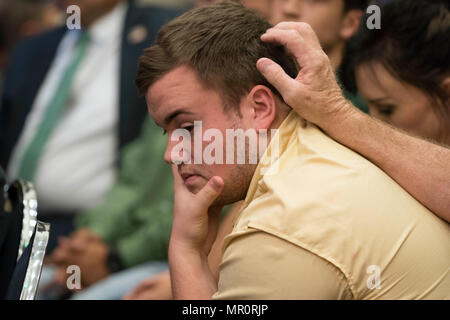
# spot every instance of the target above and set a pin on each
(386, 110)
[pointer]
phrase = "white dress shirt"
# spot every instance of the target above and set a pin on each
(77, 165)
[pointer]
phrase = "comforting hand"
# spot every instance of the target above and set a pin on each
(154, 288)
(195, 222)
(314, 94)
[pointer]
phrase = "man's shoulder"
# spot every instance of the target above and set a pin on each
(317, 178)
(330, 201)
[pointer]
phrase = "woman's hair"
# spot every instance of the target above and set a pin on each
(413, 45)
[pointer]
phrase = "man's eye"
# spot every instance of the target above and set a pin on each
(188, 128)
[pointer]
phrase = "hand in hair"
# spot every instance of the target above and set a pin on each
(314, 94)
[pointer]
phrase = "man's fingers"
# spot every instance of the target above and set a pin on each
(276, 76)
(303, 29)
(178, 183)
(210, 191)
(177, 180)
(302, 50)
(290, 39)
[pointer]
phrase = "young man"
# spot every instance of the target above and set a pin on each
(313, 223)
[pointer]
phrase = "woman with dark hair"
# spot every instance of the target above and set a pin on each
(403, 69)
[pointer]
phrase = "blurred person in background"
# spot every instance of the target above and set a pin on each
(334, 22)
(23, 18)
(124, 239)
(403, 69)
(64, 125)
(78, 103)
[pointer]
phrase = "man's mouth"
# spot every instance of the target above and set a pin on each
(189, 178)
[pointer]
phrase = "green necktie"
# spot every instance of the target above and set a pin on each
(51, 115)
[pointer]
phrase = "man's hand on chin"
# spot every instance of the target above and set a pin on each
(194, 229)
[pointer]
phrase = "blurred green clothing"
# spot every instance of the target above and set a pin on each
(355, 99)
(136, 215)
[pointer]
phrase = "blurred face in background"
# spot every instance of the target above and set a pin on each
(400, 104)
(324, 16)
(262, 7)
(328, 19)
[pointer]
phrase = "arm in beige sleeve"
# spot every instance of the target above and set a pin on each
(262, 266)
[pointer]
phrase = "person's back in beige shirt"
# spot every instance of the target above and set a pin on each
(328, 224)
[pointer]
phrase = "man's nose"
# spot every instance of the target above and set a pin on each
(168, 152)
(180, 154)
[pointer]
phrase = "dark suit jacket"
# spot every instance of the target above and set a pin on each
(31, 61)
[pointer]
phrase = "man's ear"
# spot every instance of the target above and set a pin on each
(350, 24)
(262, 107)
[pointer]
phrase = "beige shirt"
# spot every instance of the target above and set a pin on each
(325, 223)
